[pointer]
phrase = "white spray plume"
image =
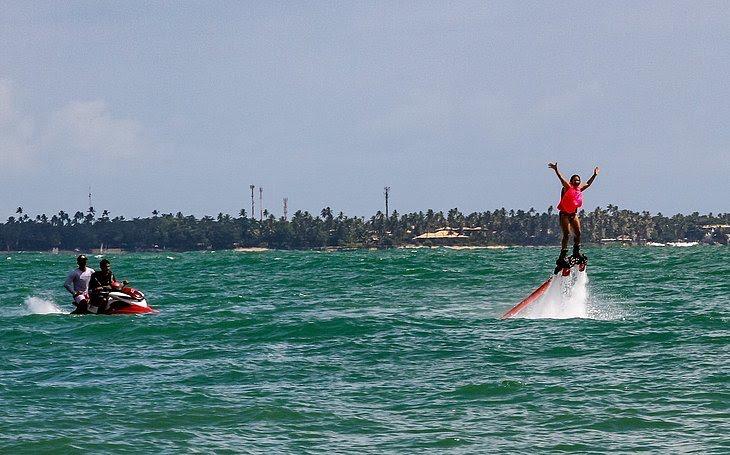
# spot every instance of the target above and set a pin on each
(37, 305)
(566, 297)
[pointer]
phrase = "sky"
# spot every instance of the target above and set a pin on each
(180, 106)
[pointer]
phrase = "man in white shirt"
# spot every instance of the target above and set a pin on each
(77, 284)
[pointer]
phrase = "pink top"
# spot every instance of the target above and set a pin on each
(571, 200)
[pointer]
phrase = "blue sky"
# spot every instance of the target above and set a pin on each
(181, 105)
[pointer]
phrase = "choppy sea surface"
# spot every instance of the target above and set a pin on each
(398, 351)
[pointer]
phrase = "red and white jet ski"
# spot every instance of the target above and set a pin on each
(120, 300)
(128, 300)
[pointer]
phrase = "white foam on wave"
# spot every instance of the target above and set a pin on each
(38, 305)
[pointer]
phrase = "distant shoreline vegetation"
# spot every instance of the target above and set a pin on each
(335, 230)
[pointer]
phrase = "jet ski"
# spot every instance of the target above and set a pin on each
(122, 299)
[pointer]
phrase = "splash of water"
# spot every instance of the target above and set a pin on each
(566, 297)
(37, 305)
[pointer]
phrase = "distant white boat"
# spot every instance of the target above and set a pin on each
(655, 244)
(683, 244)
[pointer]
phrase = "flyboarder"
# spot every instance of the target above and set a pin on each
(571, 199)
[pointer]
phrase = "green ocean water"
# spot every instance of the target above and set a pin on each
(398, 351)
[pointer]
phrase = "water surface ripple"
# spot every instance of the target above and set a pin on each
(370, 352)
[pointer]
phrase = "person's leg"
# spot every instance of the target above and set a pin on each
(563, 263)
(81, 302)
(96, 300)
(565, 227)
(575, 225)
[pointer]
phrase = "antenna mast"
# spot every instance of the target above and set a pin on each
(253, 213)
(387, 194)
(261, 204)
(286, 211)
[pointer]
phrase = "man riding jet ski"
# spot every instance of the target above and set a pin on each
(108, 296)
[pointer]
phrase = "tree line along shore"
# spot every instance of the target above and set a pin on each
(86, 231)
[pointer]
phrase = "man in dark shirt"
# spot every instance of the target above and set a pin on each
(99, 286)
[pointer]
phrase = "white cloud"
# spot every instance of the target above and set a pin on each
(72, 134)
(17, 141)
(86, 128)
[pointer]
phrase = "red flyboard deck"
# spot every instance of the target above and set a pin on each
(536, 294)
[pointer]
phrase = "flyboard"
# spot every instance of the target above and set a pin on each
(562, 268)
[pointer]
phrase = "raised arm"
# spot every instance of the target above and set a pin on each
(590, 180)
(554, 166)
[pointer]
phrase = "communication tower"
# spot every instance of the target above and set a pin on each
(387, 194)
(253, 213)
(261, 204)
